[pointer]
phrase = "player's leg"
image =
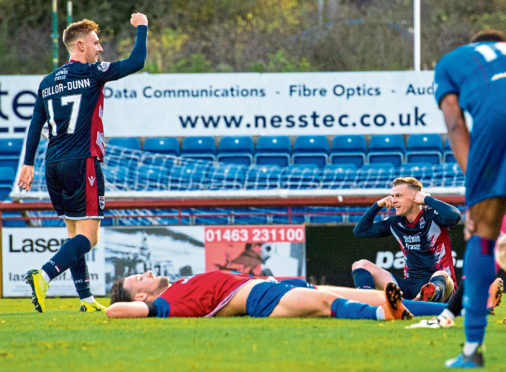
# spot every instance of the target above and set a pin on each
(367, 275)
(438, 289)
(479, 270)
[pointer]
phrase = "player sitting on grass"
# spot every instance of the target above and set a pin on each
(223, 293)
(420, 225)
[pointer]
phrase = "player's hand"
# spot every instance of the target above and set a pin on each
(469, 227)
(26, 177)
(138, 19)
(420, 197)
(387, 202)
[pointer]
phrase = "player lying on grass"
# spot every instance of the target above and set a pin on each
(420, 226)
(223, 293)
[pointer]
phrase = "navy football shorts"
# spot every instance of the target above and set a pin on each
(410, 286)
(76, 188)
(264, 297)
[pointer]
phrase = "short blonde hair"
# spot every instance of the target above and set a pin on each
(78, 29)
(410, 181)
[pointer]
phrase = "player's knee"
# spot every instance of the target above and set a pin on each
(362, 264)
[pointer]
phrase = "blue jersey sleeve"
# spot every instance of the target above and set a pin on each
(108, 71)
(445, 84)
(367, 228)
(444, 214)
(36, 124)
(162, 307)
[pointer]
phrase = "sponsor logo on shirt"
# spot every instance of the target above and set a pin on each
(101, 202)
(61, 74)
(104, 66)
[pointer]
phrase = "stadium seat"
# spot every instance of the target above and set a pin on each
(448, 155)
(128, 142)
(151, 178)
(10, 150)
(202, 148)
(211, 216)
(300, 176)
(327, 214)
(227, 176)
(338, 176)
(288, 215)
(188, 176)
(386, 148)
(162, 145)
(421, 171)
(263, 177)
(350, 149)
(236, 150)
(7, 176)
(424, 148)
(447, 174)
(311, 150)
(376, 175)
(247, 216)
(13, 223)
(273, 150)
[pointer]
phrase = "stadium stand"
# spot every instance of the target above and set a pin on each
(300, 176)
(424, 148)
(340, 176)
(236, 150)
(263, 177)
(350, 149)
(273, 150)
(311, 150)
(201, 148)
(385, 148)
(7, 176)
(10, 150)
(128, 142)
(448, 153)
(162, 145)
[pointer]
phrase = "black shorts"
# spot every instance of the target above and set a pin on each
(76, 188)
(410, 286)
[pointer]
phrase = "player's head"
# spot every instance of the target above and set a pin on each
(81, 40)
(138, 287)
(403, 192)
(488, 35)
(500, 253)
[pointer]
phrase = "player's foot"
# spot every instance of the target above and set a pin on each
(39, 288)
(393, 307)
(427, 292)
(440, 321)
(88, 307)
(495, 292)
(474, 360)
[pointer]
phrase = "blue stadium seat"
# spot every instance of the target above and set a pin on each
(350, 149)
(338, 176)
(376, 175)
(311, 150)
(327, 214)
(300, 176)
(421, 171)
(7, 176)
(448, 155)
(236, 150)
(162, 145)
(273, 150)
(211, 216)
(202, 148)
(10, 150)
(447, 174)
(152, 178)
(247, 216)
(13, 223)
(386, 148)
(128, 142)
(424, 148)
(263, 177)
(229, 176)
(188, 176)
(281, 215)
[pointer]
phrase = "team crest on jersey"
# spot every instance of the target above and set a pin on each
(101, 202)
(104, 66)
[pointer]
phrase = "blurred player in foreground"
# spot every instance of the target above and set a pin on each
(70, 100)
(421, 228)
(224, 293)
(472, 78)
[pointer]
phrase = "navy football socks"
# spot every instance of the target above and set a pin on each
(363, 279)
(440, 282)
(67, 256)
(81, 278)
(479, 271)
(346, 309)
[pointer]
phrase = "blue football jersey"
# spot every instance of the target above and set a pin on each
(477, 74)
(71, 101)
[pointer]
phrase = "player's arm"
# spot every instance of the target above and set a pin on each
(135, 309)
(367, 228)
(447, 214)
(135, 62)
(32, 142)
(458, 134)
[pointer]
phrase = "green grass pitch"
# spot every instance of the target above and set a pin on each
(65, 340)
